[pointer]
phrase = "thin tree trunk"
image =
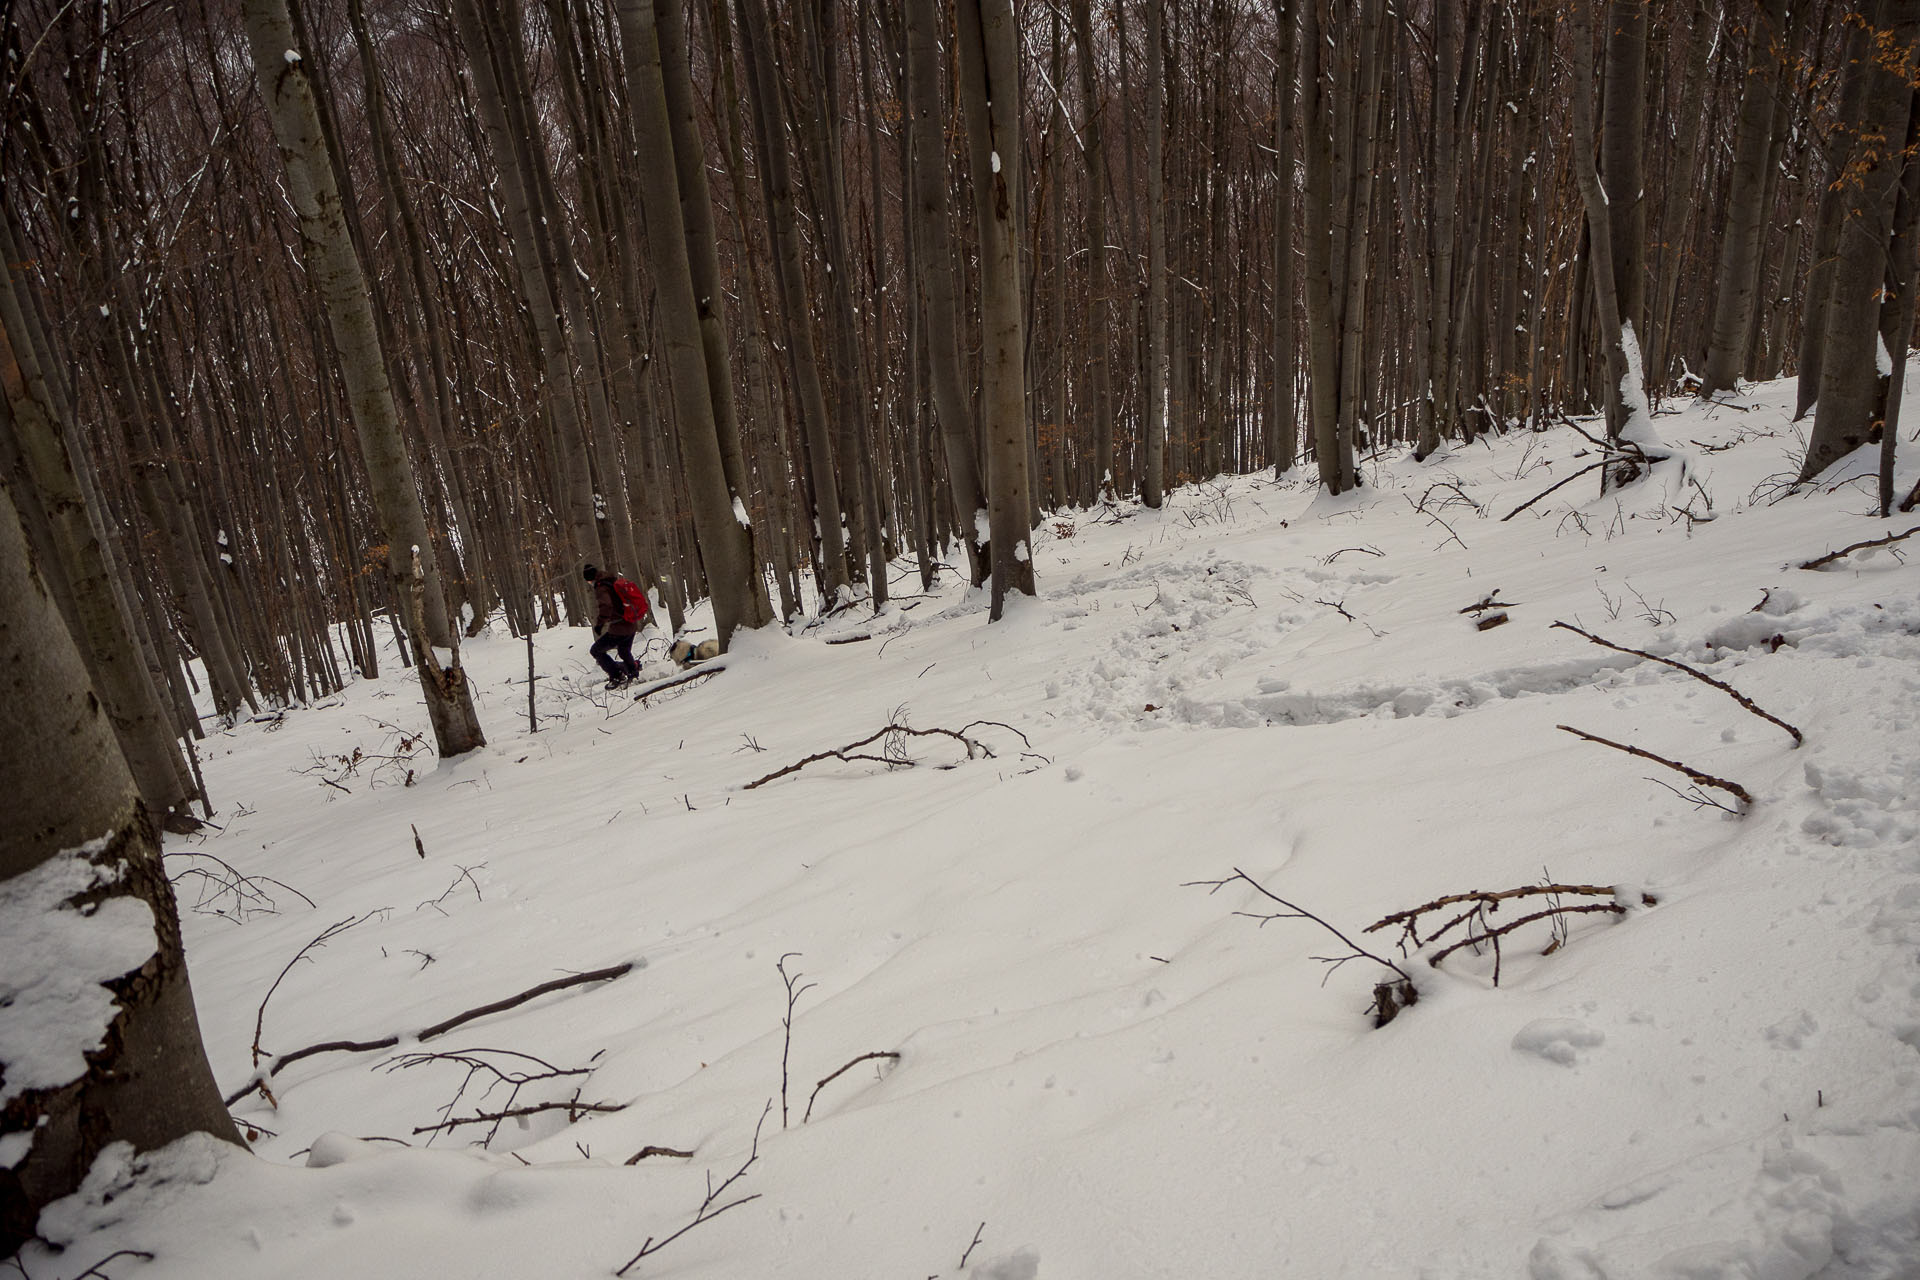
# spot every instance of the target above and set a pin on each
(334, 273)
(986, 44)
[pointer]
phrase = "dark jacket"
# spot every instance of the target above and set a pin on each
(608, 619)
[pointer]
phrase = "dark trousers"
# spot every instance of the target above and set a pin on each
(623, 645)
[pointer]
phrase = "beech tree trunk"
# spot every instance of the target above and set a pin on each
(1739, 275)
(77, 846)
(720, 519)
(986, 40)
(333, 272)
(1854, 352)
(933, 242)
(1153, 430)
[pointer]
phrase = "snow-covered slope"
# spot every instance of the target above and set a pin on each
(1103, 1071)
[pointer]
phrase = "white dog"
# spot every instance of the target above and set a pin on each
(686, 653)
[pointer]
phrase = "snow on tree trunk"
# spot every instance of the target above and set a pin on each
(99, 1042)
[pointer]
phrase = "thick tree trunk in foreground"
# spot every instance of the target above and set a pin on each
(333, 272)
(80, 876)
(105, 633)
(989, 91)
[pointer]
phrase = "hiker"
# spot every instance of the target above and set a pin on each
(621, 612)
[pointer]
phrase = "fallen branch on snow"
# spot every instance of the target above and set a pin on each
(282, 1061)
(1704, 779)
(1388, 997)
(877, 1054)
(1701, 676)
(706, 1212)
(1482, 904)
(893, 750)
(1887, 541)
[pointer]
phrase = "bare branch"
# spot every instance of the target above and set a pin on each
(1561, 484)
(1701, 676)
(437, 1029)
(1831, 556)
(706, 1212)
(827, 1080)
(893, 739)
(1704, 779)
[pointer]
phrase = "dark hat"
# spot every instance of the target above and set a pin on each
(590, 573)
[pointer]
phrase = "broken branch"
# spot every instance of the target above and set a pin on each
(894, 754)
(1843, 552)
(1701, 676)
(437, 1029)
(1704, 779)
(865, 1057)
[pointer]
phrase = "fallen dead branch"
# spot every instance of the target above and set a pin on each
(479, 1063)
(712, 667)
(1388, 997)
(706, 1212)
(1491, 600)
(281, 1062)
(1843, 552)
(574, 1109)
(1703, 779)
(645, 1152)
(1480, 905)
(1701, 676)
(325, 936)
(248, 896)
(877, 1054)
(1594, 466)
(893, 748)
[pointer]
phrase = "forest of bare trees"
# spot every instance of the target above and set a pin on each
(325, 320)
(322, 316)
(301, 294)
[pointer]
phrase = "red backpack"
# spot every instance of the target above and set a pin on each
(633, 601)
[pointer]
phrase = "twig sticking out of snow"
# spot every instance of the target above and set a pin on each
(706, 1212)
(977, 1231)
(1704, 779)
(1484, 904)
(1703, 677)
(1831, 556)
(261, 1077)
(794, 992)
(876, 1055)
(1389, 997)
(893, 748)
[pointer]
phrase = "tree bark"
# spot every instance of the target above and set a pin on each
(334, 273)
(78, 845)
(1153, 431)
(1739, 274)
(1853, 350)
(720, 518)
(986, 42)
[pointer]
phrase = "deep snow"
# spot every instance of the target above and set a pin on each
(1099, 1060)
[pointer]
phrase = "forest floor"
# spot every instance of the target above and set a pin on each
(1106, 1069)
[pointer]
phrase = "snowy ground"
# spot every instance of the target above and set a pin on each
(1103, 1064)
